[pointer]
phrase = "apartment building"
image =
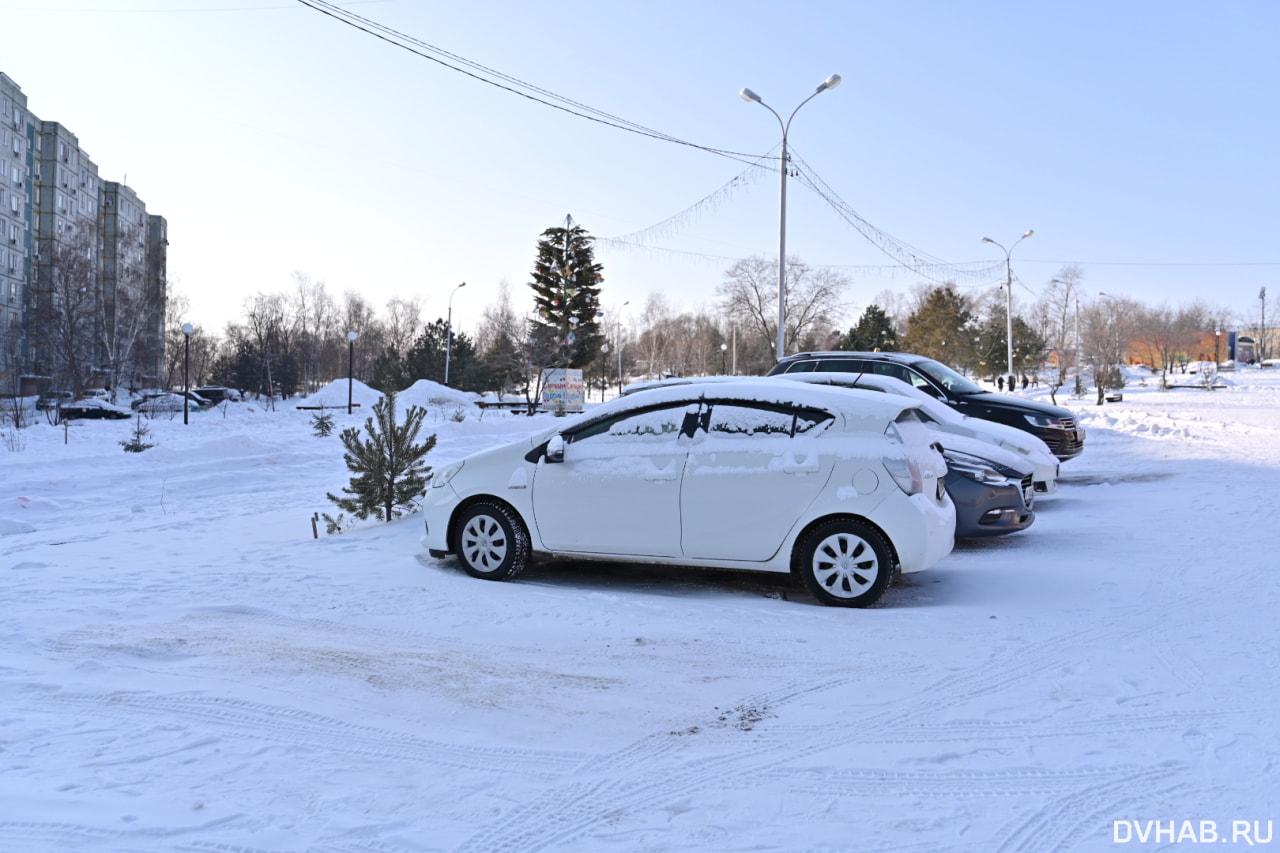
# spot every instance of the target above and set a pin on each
(86, 265)
(15, 225)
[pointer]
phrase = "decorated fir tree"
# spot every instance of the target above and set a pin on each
(566, 287)
(389, 474)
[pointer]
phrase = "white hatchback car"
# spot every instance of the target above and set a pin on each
(843, 488)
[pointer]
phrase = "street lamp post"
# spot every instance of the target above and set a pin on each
(448, 344)
(1008, 284)
(724, 348)
(187, 329)
(351, 361)
(748, 95)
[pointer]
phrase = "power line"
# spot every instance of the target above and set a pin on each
(980, 273)
(1158, 263)
(499, 80)
(909, 257)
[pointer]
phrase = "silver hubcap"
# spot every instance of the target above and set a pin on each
(845, 565)
(484, 543)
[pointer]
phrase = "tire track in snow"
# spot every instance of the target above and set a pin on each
(1063, 821)
(29, 836)
(296, 728)
(655, 770)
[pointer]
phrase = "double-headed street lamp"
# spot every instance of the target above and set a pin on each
(351, 360)
(448, 343)
(1008, 283)
(187, 329)
(748, 95)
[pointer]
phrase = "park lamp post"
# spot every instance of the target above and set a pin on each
(1008, 284)
(351, 360)
(748, 95)
(448, 335)
(187, 329)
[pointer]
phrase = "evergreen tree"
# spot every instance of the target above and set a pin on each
(502, 367)
(566, 287)
(942, 327)
(873, 333)
(322, 424)
(990, 355)
(389, 473)
(389, 372)
(425, 358)
(138, 438)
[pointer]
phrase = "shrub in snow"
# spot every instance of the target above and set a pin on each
(137, 442)
(389, 474)
(322, 424)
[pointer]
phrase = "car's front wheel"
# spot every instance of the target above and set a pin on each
(844, 563)
(493, 542)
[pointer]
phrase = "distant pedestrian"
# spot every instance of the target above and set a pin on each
(1000, 382)
(1025, 382)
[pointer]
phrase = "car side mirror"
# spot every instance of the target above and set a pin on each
(555, 449)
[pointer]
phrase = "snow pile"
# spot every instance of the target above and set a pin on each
(334, 395)
(438, 398)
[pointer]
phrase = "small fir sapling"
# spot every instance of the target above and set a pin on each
(386, 463)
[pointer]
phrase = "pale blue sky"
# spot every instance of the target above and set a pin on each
(1138, 139)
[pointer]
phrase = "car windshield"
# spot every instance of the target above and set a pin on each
(947, 378)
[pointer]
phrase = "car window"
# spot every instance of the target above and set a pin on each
(801, 367)
(895, 371)
(744, 420)
(946, 377)
(811, 421)
(842, 365)
(647, 426)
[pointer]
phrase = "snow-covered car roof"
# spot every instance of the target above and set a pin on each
(935, 408)
(849, 402)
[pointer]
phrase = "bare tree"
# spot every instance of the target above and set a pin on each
(11, 357)
(191, 359)
(357, 315)
(502, 342)
(128, 312)
(1107, 326)
(749, 295)
(314, 321)
(1057, 317)
(404, 322)
(12, 412)
(1166, 335)
(65, 293)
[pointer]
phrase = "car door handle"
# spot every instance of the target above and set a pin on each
(654, 474)
(806, 466)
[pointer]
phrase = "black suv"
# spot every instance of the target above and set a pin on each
(1053, 425)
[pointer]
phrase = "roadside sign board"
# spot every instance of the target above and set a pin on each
(562, 390)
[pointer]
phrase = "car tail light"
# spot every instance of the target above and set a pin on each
(904, 469)
(906, 473)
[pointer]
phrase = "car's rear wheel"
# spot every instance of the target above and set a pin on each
(844, 563)
(493, 543)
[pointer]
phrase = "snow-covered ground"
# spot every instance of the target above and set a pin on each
(187, 669)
